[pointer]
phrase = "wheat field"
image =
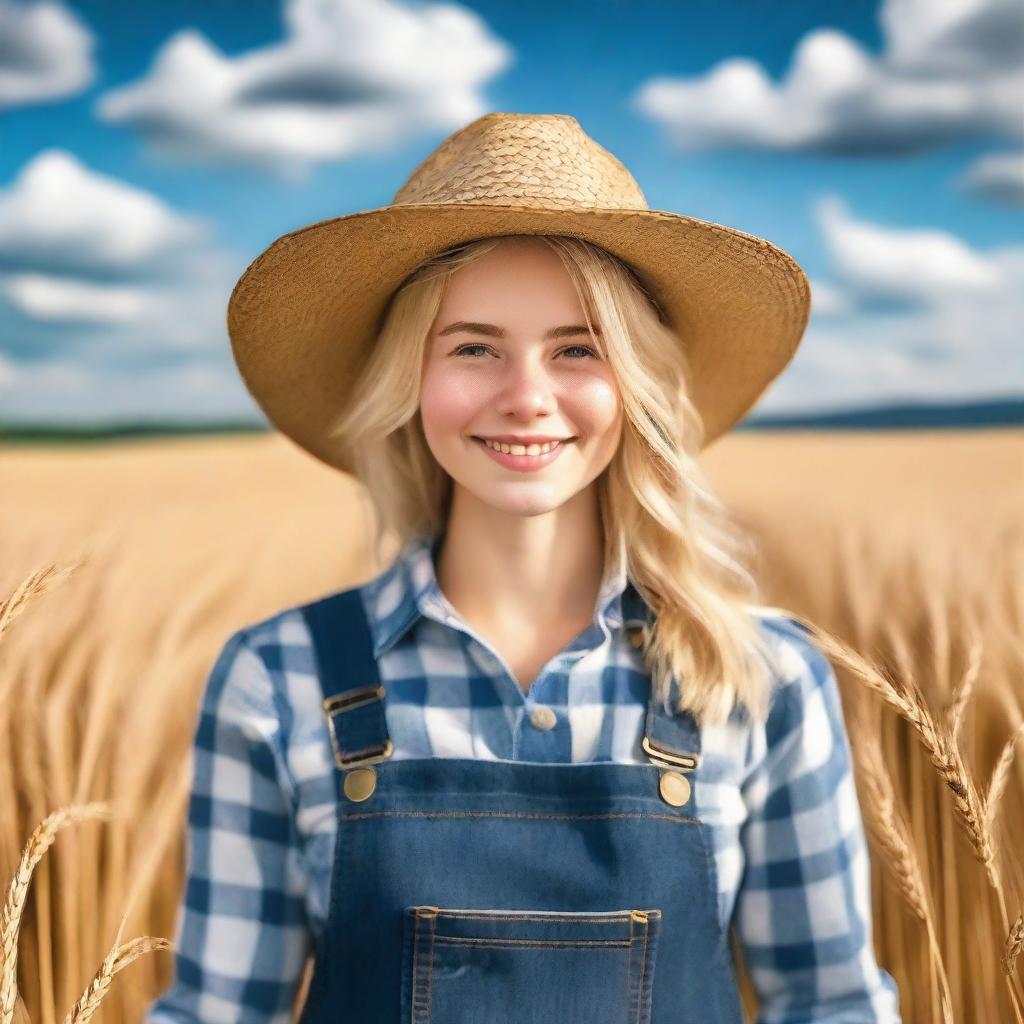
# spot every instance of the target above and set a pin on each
(125, 566)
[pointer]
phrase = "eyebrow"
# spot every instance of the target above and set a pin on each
(472, 327)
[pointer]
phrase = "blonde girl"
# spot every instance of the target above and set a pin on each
(556, 762)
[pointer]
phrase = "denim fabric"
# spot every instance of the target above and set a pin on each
(520, 892)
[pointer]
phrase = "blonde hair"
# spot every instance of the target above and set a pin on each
(684, 552)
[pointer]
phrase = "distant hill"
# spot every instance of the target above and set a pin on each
(70, 433)
(1002, 412)
(998, 412)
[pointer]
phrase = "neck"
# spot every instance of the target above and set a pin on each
(522, 570)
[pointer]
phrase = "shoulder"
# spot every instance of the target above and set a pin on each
(289, 623)
(278, 648)
(799, 653)
(805, 685)
(799, 755)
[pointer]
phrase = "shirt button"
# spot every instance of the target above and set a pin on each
(542, 717)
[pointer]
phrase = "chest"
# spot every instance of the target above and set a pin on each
(527, 651)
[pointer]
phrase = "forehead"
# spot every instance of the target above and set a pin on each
(513, 277)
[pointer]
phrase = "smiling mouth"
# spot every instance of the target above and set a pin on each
(553, 445)
(523, 463)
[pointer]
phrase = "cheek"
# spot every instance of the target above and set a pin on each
(448, 400)
(595, 403)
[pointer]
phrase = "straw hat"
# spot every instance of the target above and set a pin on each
(305, 314)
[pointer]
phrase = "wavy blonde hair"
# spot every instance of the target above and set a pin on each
(684, 552)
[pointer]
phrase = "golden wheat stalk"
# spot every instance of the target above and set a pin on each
(1000, 775)
(1014, 944)
(39, 842)
(886, 824)
(34, 585)
(116, 960)
(939, 739)
(892, 834)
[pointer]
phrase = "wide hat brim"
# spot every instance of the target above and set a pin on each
(303, 317)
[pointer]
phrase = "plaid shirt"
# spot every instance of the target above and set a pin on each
(778, 799)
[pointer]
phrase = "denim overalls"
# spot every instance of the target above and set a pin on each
(469, 890)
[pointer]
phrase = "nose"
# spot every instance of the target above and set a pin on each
(526, 390)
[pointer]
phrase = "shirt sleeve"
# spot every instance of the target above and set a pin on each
(803, 909)
(241, 936)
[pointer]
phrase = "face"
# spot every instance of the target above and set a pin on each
(510, 355)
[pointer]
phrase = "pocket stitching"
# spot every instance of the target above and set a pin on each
(643, 966)
(629, 965)
(429, 1001)
(496, 942)
(427, 916)
(569, 916)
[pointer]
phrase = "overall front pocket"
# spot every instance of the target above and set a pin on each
(462, 966)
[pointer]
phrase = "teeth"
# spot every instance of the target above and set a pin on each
(522, 449)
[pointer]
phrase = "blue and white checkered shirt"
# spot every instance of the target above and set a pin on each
(779, 798)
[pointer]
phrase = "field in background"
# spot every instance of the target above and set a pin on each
(905, 546)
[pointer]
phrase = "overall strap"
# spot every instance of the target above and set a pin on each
(353, 696)
(671, 738)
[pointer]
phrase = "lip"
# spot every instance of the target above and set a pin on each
(521, 439)
(523, 463)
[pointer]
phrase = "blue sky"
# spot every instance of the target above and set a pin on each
(879, 144)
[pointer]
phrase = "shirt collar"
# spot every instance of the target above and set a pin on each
(409, 589)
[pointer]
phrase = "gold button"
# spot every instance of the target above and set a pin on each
(360, 783)
(543, 718)
(674, 787)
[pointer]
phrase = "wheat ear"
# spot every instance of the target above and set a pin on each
(116, 960)
(34, 585)
(39, 842)
(890, 831)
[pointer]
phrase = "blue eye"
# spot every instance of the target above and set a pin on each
(581, 348)
(462, 349)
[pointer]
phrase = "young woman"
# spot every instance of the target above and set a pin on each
(550, 762)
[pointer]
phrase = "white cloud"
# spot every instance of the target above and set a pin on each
(54, 298)
(947, 71)
(60, 215)
(351, 77)
(104, 284)
(911, 315)
(45, 53)
(827, 299)
(998, 177)
(877, 262)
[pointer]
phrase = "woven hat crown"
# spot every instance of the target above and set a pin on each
(538, 160)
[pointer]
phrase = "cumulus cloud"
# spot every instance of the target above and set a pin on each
(100, 283)
(910, 315)
(998, 177)
(350, 77)
(50, 298)
(827, 299)
(59, 216)
(946, 72)
(45, 53)
(873, 262)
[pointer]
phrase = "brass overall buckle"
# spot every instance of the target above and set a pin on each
(681, 762)
(349, 701)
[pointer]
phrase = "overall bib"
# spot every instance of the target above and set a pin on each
(468, 890)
